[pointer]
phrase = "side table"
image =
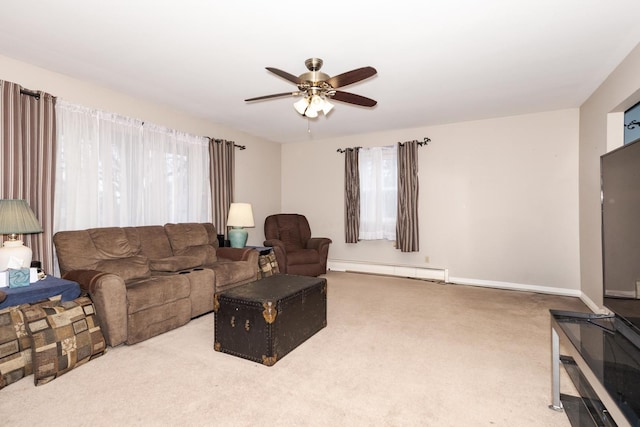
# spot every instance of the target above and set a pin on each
(42, 289)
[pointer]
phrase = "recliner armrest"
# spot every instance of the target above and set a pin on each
(275, 243)
(318, 242)
(109, 295)
(87, 279)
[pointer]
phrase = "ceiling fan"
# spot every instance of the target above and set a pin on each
(316, 88)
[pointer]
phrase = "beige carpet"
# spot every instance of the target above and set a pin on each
(396, 352)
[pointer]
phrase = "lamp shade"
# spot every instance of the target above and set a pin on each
(240, 215)
(16, 217)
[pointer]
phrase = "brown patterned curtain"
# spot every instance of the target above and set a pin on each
(351, 196)
(27, 158)
(407, 237)
(222, 170)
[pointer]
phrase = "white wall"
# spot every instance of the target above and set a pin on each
(257, 167)
(618, 92)
(498, 198)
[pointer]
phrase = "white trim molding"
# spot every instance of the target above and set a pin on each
(442, 275)
(410, 271)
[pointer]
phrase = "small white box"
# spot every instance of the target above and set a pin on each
(4, 279)
(33, 275)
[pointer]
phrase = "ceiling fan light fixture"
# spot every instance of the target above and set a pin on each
(316, 88)
(327, 107)
(311, 112)
(316, 102)
(310, 106)
(301, 105)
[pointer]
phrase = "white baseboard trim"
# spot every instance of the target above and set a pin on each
(442, 274)
(388, 269)
(533, 288)
(592, 305)
(517, 286)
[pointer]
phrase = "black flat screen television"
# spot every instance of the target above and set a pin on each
(620, 196)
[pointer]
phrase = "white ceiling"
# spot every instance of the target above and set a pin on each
(438, 61)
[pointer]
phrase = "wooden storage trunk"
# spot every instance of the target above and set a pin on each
(264, 320)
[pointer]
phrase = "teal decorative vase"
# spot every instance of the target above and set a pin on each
(238, 237)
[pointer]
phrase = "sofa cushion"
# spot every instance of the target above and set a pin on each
(153, 321)
(290, 236)
(150, 241)
(205, 254)
(156, 291)
(191, 239)
(134, 267)
(268, 265)
(232, 272)
(75, 250)
(111, 242)
(15, 342)
(174, 263)
(15, 347)
(63, 336)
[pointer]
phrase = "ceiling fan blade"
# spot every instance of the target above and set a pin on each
(276, 95)
(284, 75)
(352, 98)
(351, 77)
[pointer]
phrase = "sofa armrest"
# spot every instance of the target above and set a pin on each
(237, 254)
(85, 278)
(247, 256)
(109, 295)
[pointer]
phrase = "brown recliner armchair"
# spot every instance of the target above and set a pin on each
(296, 251)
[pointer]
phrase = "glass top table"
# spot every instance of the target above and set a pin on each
(607, 352)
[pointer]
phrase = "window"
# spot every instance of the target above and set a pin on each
(632, 124)
(378, 192)
(118, 171)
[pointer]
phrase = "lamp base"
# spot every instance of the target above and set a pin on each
(238, 237)
(15, 255)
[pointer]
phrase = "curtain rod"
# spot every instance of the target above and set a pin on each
(425, 141)
(218, 141)
(28, 92)
(344, 150)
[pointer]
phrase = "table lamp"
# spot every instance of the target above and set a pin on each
(16, 217)
(240, 215)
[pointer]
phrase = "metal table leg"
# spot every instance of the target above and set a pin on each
(556, 404)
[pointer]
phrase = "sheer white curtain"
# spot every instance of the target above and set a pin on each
(118, 171)
(378, 192)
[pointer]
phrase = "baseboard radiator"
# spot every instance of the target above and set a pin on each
(390, 270)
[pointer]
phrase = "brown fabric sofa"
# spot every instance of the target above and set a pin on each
(147, 280)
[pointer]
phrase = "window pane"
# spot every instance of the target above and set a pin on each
(378, 192)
